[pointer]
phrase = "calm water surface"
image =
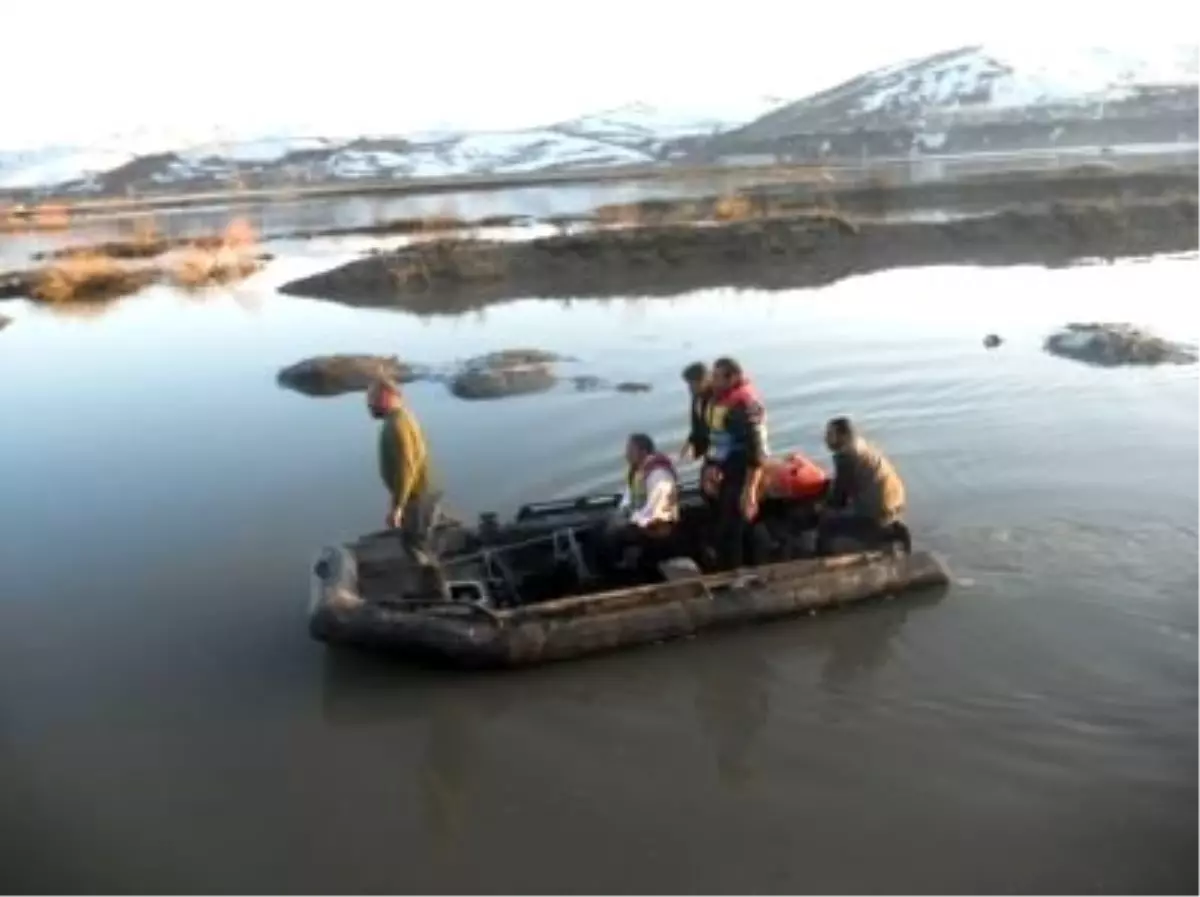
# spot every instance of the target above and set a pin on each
(166, 724)
(276, 218)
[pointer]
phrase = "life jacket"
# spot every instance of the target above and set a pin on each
(794, 478)
(635, 479)
(722, 443)
(877, 491)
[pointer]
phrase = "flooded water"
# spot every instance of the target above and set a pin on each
(345, 212)
(167, 725)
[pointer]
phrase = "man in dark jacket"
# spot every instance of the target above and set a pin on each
(732, 472)
(700, 389)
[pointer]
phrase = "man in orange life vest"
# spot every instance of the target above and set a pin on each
(649, 508)
(733, 465)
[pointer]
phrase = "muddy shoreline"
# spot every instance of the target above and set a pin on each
(773, 253)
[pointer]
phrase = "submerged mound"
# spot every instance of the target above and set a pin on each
(783, 252)
(1114, 345)
(497, 375)
(14, 284)
(334, 375)
(512, 372)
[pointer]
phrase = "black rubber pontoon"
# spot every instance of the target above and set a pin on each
(530, 591)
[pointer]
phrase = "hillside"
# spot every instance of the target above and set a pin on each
(635, 134)
(982, 98)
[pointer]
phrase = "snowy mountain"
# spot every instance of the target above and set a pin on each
(965, 100)
(978, 86)
(636, 134)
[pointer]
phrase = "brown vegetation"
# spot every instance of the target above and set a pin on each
(45, 217)
(83, 276)
(231, 259)
(88, 278)
(148, 242)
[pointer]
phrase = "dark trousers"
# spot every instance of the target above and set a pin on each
(865, 531)
(733, 536)
(655, 543)
(421, 514)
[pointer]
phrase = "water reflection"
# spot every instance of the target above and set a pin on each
(862, 643)
(366, 690)
(733, 692)
(733, 704)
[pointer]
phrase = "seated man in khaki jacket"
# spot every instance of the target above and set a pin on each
(866, 499)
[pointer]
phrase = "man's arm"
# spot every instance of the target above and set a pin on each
(409, 454)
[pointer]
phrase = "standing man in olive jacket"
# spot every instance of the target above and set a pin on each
(404, 466)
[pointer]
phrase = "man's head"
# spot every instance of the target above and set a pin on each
(638, 447)
(695, 375)
(383, 396)
(839, 434)
(726, 373)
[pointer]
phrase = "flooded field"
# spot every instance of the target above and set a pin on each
(167, 724)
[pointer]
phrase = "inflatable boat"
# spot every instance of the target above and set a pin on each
(534, 589)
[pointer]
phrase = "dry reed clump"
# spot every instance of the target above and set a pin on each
(21, 218)
(208, 261)
(145, 242)
(619, 214)
(420, 265)
(734, 207)
(88, 278)
(435, 223)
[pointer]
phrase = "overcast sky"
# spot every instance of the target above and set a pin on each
(75, 69)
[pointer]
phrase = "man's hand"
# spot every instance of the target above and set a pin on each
(395, 517)
(687, 452)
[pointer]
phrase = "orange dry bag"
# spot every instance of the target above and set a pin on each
(795, 478)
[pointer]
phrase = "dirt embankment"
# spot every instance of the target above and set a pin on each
(773, 253)
(882, 197)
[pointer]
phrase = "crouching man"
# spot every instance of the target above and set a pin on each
(866, 499)
(648, 513)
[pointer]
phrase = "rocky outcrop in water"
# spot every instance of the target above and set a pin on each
(497, 375)
(1114, 345)
(589, 383)
(334, 375)
(992, 341)
(512, 372)
(13, 285)
(5, 321)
